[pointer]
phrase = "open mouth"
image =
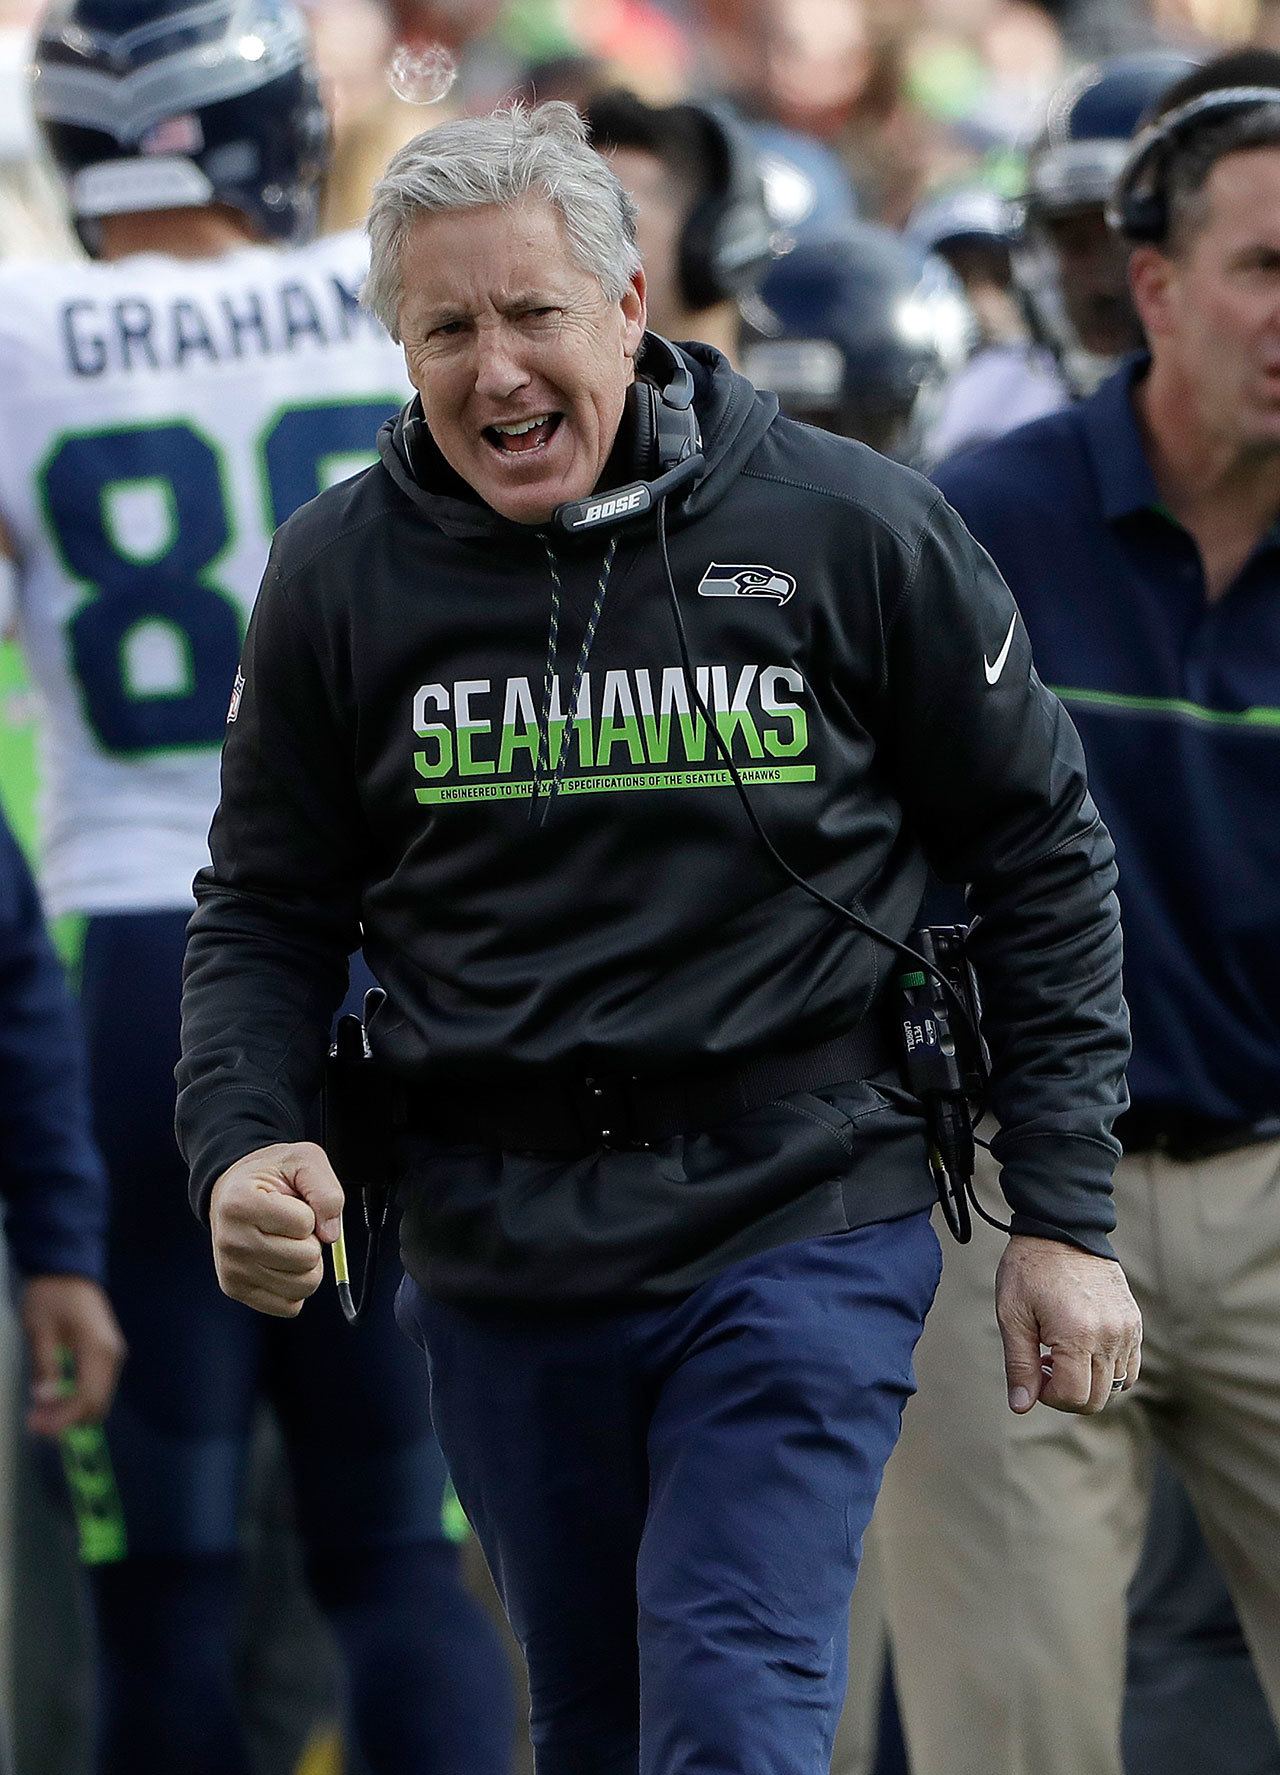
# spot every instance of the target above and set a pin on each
(523, 437)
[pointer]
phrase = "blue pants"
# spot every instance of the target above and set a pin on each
(672, 1498)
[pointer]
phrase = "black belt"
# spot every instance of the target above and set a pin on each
(1180, 1135)
(583, 1114)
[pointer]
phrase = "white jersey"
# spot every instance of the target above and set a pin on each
(1001, 387)
(158, 419)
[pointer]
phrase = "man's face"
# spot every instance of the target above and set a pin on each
(984, 271)
(1095, 290)
(1213, 307)
(662, 209)
(502, 328)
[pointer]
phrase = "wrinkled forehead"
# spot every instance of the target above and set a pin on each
(491, 256)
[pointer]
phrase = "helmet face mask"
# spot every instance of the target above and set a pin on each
(174, 104)
(1072, 274)
(972, 227)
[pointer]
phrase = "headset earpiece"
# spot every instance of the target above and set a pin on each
(666, 443)
(727, 242)
(642, 414)
(1139, 208)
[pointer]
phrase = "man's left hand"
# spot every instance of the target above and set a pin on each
(1052, 1295)
(70, 1316)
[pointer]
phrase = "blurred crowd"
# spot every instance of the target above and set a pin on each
(907, 95)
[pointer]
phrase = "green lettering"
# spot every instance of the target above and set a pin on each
(517, 739)
(442, 763)
(729, 721)
(583, 727)
(468, 764)
(693, 736)
(657, 737)
(619, 733)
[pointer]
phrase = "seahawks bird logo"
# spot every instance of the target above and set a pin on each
(746, 582)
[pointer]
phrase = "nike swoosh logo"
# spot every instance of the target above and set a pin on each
(993, 671)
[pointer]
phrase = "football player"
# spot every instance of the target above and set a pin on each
(163, 408)
(866, 332)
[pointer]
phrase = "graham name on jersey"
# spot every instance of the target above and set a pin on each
(140, 333)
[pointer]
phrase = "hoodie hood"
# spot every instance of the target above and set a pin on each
(732, 417)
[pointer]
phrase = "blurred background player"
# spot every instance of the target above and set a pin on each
(53, 1190)
(703, 225)
(1069, 264)
(53, 1186)
(163, 409)
(865, 331)
(1011, 378)
(1046, 276)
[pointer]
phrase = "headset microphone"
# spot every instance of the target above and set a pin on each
(631, 501)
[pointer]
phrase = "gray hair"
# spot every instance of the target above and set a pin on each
(499, 159)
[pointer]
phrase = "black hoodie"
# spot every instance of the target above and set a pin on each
(863, 659)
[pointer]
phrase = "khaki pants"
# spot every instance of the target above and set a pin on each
(1006, 1544)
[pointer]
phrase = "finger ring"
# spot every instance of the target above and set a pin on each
(1118, 1383)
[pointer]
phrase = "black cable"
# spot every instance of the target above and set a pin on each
(353, 1310)
(815, 893)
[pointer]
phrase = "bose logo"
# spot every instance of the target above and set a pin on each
(620, 504)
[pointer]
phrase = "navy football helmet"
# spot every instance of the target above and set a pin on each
(867, 329)
(970, 212)
(173, 104)
(1069, 266)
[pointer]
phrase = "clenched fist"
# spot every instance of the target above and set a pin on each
(271, 1213)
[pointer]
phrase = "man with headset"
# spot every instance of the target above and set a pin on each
(703, 229)
(618, 715)
(1138, 531)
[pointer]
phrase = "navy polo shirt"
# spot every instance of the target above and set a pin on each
(1178, 704)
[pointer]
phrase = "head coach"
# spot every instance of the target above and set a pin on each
(665, 1203)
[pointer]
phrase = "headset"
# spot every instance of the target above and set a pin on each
(665, 447)
(727, 239)
(1139, 208)
(727, 242)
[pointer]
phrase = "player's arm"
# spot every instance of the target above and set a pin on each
(51, 1177)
